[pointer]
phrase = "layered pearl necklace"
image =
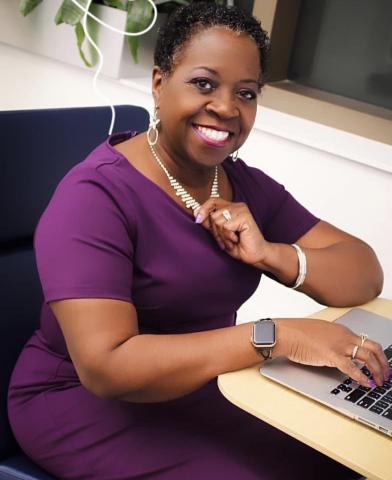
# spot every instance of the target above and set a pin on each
(186, 198)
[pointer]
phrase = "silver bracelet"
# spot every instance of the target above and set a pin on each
(302, 266)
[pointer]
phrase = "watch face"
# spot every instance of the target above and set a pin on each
(264, 333)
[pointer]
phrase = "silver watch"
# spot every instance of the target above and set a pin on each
(263, 337)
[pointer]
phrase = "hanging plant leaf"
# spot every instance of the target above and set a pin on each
(171, 3)
(80, 36)
(70, 13)
(115, 4)
(133, 45)
(27, 6)
(139, 16)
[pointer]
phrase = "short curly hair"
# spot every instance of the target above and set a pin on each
(190, 19)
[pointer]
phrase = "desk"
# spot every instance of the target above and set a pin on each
(358, 447)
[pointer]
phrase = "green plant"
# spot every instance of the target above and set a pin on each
(139, 16)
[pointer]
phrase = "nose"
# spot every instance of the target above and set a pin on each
(224, 106)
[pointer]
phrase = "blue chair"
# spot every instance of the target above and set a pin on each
(37, 149)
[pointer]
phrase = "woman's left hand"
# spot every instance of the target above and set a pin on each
(240, 236)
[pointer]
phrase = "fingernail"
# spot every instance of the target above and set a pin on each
(222, 246)
(371, 383)
(198, 218)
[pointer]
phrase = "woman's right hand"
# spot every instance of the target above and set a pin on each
(322, 343)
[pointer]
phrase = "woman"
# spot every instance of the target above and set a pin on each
(146, 251)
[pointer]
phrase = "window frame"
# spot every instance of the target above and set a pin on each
(279, 18)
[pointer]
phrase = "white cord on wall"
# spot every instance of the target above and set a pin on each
(100, 56)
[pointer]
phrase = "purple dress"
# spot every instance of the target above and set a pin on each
(110, 232)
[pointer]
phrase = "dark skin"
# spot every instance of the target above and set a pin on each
(218, 96)
(193, 95)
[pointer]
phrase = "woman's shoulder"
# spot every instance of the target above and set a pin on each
(103, 167)
(280, 216)
(101, 181)
(252, 179)
(102, 155)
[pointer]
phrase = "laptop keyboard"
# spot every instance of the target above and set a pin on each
(376, 399)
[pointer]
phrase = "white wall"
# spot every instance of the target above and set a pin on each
(353, 196)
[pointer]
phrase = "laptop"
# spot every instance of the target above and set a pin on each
(371, 406)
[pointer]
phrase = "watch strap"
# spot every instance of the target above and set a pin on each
(266, 353)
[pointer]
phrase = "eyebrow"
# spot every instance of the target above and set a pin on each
(214, 72)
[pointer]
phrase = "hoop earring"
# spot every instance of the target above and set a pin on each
(234, 155)
(152, 128)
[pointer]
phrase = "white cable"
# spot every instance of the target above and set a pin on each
(100, 63)
(99, 68)
(122, 32)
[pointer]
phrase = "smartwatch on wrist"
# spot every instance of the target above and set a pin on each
(263, 337)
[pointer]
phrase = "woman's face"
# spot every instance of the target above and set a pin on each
(207, 105)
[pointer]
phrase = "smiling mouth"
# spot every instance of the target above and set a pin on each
(213, 136)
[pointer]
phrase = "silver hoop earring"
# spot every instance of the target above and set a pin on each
(234, 155)
(152, 128)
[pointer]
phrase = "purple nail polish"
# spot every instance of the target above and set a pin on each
(222, 246)
(371, 383)
(198, 218)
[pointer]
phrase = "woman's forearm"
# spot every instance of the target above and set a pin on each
(155, 368)
(344, 274)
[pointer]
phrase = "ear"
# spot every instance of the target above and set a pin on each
(157, 84)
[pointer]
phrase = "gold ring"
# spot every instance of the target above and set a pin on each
(226, 214)
(355, 350)
(364, 337)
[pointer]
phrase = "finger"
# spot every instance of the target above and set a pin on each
(230, 228)
(223, 242)
(217, 221)
(206, 223)
(215, 232)
(378, 351)
(372, 363)
(227, 233)
(347, 366)
(209, 206)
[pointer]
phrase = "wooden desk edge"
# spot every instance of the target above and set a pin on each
(379, 306)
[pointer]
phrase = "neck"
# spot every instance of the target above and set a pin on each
(186, 197)
(189, 174)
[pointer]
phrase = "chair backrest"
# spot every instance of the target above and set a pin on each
(37, 148)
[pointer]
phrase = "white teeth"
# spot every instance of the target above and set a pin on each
(218, 136)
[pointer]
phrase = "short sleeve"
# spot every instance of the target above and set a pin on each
(289, 220)
(83, 243)
(279, 215)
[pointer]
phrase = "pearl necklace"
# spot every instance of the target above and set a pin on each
(189, 201)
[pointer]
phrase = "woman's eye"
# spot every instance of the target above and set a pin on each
(203, 84)
(248, 94)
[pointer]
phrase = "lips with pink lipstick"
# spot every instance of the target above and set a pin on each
(216, 137)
